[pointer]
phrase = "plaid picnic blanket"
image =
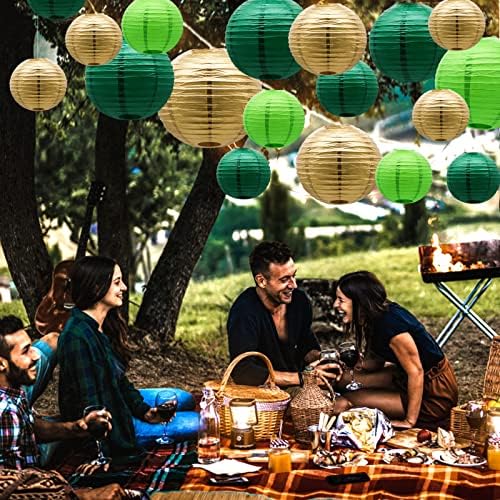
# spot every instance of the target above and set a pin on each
(160, 469)
(387, 481)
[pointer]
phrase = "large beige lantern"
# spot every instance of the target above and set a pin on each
(38, 84)
(456, 24)
(93, 39)
(327, 38)
(336, 164)
(440, 115)
(209, 97)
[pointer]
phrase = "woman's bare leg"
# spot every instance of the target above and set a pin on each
(386, 400)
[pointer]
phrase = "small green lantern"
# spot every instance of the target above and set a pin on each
(273, 118)
(56, 9)
(243, 173)
(473, 178)
(132, 85)
(257, 38)
(401, 45)
(349, 94)
(475, 75)
(403, 176)
(152, 26)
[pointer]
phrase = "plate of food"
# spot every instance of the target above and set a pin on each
(406, 456)
(338, 458)
(458, 458)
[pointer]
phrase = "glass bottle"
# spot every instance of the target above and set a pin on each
(209, 429)
(280, 456)
(493, 449)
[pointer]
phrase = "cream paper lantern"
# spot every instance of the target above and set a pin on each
(440, 115)
(209, 97)
(336, 164)
(38, 84)
(93, 39)
(327, 39)
(456, 24)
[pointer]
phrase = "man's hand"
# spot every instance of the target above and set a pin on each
(152, 416)
(97, 418)
(109, 492)
(331, 371)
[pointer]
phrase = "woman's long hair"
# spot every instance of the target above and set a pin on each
(91, 278)
(369, 301)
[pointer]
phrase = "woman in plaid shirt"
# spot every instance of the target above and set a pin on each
(94, 355)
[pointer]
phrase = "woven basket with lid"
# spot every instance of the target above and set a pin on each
(491, 390)
(307, 405)
(271, 401)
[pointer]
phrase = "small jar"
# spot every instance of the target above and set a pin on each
(493, 448)
(280, 457)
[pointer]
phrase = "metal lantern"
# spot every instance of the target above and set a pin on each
(56, 9)
(152, 26)
(401, 45)
(336, 164)
(456, 24)
(243, 173)
(440, 115)
(403, 176)
(273, 118)
(350, 93)
(257, 38)
(93, 39)
(38, 84)
(209, 96)
(475, 75)
(132, 86)
(473, 178)
(327, 39)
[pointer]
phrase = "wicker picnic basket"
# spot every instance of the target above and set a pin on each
(491, 390)
(307, 405)
(271, 401)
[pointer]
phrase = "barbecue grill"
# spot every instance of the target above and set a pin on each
(478, 260)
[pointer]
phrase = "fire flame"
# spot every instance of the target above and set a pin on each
(443, 262)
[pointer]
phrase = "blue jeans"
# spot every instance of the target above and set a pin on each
(184, 426)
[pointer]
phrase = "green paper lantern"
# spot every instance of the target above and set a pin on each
(56, 9)
(401, 45)
(403, 176)
(273, 118)
(257, 38)
(473, 178)
(132, 85)
(243, 173)
(152, 26)
(475, 75)
(350, 93)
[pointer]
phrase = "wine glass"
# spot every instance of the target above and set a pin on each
(166, 405)
(329, 356)
(97, 429)
(349, 355)
(475, 413)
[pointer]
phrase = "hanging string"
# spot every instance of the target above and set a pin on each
(92, 6)
(37, 36)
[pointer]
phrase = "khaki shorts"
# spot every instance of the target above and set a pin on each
(439, 397)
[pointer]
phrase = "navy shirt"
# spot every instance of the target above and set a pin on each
(398, 320)
(250, 327)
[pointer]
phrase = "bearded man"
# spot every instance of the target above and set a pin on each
(274, 318)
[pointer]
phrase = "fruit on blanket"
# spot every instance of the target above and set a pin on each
(424, 435)
(493, 403)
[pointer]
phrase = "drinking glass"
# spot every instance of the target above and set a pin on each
(329, 356)
(97, 430)
(476, 415)
(349, 355)
(166, 405)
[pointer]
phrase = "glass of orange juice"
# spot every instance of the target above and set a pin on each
(280, 457)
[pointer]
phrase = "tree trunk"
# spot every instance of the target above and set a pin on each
(112, 212)
(20, 232)
(167, 286)
(415, 227)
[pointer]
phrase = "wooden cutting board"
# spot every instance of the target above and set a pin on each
(408, 439)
